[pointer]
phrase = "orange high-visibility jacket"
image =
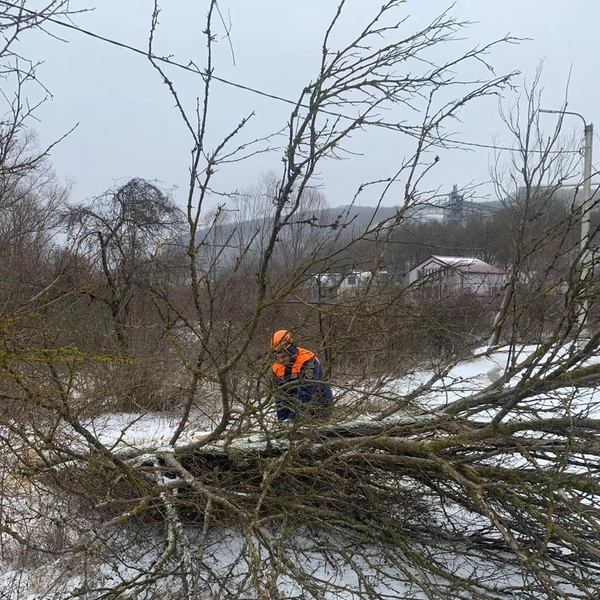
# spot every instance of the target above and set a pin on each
(300, 382)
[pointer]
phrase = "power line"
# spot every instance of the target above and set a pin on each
(511, 149)
(146, 54)
(196, 71)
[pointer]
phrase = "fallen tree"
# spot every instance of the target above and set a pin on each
(427, 482)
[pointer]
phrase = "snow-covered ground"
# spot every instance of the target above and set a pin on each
(147, 430)
(50, 577)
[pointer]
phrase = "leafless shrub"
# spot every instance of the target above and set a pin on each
(447, 488)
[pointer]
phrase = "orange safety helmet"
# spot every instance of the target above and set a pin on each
(280, 340)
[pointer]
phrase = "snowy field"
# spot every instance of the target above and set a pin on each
(36, 510)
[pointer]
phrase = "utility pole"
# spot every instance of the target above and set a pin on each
(586, 209)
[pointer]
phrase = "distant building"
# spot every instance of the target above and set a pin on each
(326, 286)
(427, 212)
(482, 209)
(454, 209)
(323, 286)
(359, 280)
(455, 275)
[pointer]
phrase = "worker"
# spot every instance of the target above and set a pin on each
(298, 381)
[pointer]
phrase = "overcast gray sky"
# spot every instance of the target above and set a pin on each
(128, 126)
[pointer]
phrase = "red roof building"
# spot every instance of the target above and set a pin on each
(456, 274)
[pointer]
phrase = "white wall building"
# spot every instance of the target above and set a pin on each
(455, 275)
(329, 285)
